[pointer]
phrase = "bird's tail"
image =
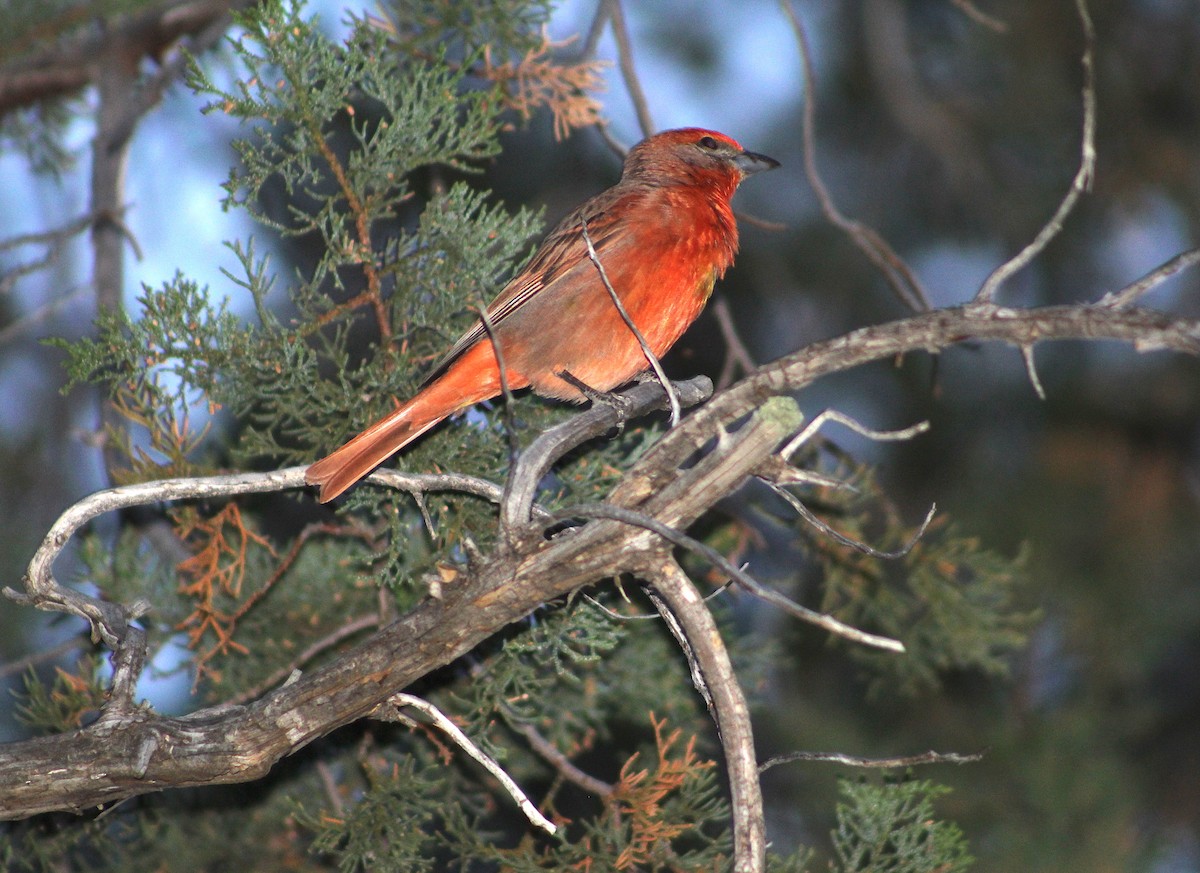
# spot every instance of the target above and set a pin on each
(454, 391)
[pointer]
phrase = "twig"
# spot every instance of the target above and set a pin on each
(559, 761)
(617, 147)
(111, 621)
(625, 62)
(1132, 292)
(326, 642)
(672, 396)
(671, 535)
(509, 415)
(974, 13)
(1031, 371)
(617, 616)
(1083, 176)
(465, 743)
(736, 354)
(882, 763)
(44, 313)
(12, 668)
(832, 415)
(699, 680)
(834, 534)
(240, 743)
(896, 271)
(587, 50)
(329, 782)
(55, 241)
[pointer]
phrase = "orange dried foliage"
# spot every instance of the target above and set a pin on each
(639, 795)
(217, 570)
(537, 80)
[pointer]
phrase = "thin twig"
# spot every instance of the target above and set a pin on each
(560, 762)
(899, 275)
(832, 415)
(1083, 176)
(628, 73)
(1031, 371)
(736, 353)
(677, 537)
(42, 314)
(834, 534)
(70, 644)
(510, 425)
(55, 242)
(1133, 291)
(330, 784)
(980, 17)
(465, 743)
(617, 147)
(587, 50)
(882, 763)
(646, 616)
(345, 631)
(695, 669)
(672, 394)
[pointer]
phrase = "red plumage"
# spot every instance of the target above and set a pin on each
(664, 234)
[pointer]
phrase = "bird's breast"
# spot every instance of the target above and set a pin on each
(662, 270)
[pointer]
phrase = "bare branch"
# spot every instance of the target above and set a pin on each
(728, 705)
(339, 635)
(1145, 330)
(32, 320)
(1131, 293)
(55, 242)
(736, 353)
(1083, 176)
(1031, 371)
(625, 60)
(559, 761)
(587, 50)
(110, 621)
(58, 67)
(836, 535)
(13, 668)
(510, 425)
(678, 538)
(129, 751)
(881, 763)
(899, 275)
(444, 724)
(832, 415)
(543, 452)
(974, 13)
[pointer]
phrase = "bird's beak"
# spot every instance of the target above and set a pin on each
(752, 162)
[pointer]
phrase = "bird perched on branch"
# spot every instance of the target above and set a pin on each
(663, 234)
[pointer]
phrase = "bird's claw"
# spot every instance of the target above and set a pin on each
(618, 403)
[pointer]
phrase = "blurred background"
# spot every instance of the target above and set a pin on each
(953, 130)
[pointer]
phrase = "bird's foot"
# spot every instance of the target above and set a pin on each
(622, 406)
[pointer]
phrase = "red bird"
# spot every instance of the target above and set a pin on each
(664, 234)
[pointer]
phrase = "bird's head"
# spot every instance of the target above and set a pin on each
(693, 155)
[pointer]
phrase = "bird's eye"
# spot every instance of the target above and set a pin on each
(707, 142)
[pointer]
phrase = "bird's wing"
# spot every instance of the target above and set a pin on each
(561, 251)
